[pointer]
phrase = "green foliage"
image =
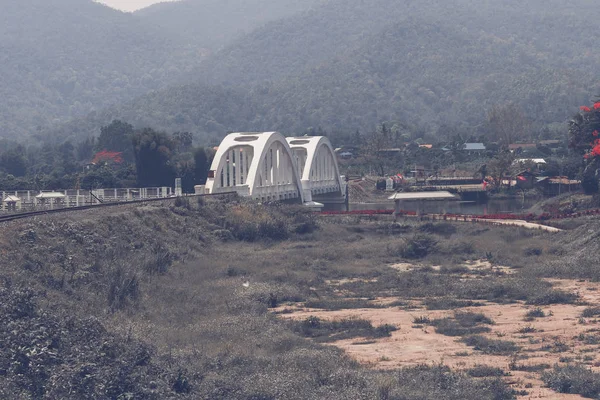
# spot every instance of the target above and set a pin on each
(326, 331)
(153, 151)
(201, 166)
(117, 137)
(424, 67)
(417, 246)
(574, 379)
(66, 59)
(463, 323)
(490, 346)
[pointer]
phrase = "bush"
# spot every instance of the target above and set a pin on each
(552, 297)
(484, 371)
(341, 304)
(159, 260)
(327, 331)
(573, 379)
(535, 313)
(418, 246)
(462, 324)
(490, 346)
(441, 228)
(448, 303)
(123, 289)
(591, 312)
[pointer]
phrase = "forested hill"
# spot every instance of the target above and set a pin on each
(64, 58)
(211, 24)
(352, 64)
(552, 33)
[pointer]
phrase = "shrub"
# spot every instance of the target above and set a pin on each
(533, 251)
(327, 331)
(591, 312)
(341, 304)
(462, 324)
(442, 228)
(573, 379)
(484, 371)
(490, 346)
(123, 289)
(535, 313)
(448, 303)
(423, 319)
(159, 260)
(552, 297)
(418, 246)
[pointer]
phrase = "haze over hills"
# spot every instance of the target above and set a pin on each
(341, 65)
(65, 58)
(211, 24)
(347, 65)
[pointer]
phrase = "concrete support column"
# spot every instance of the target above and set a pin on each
(230, 170)
(397, 209)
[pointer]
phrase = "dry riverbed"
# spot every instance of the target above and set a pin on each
(557, 335)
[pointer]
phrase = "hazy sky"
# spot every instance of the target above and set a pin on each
(130, 5)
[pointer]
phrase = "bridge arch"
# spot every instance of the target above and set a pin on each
(317, 165)
(259, 165)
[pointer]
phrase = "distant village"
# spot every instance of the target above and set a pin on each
(533, 167)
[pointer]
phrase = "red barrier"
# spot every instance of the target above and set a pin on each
(464, 217)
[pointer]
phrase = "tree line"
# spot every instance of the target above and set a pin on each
(120, 156)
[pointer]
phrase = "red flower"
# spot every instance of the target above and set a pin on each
(106, 156)
(595, 133)
(585, 108)
(597, 105)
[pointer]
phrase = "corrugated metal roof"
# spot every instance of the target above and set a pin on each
(438, 195)
(474, 146)
(50, 195)
(11, 198)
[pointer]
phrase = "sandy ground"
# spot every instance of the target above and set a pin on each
(419, 344)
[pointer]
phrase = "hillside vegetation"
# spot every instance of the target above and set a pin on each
(67, 58)
(210, 24)
(347, 65)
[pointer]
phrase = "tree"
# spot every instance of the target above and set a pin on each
(499, 166)
(183, 141)
(117, 137)
(200, 166)
(584, 139)
(507, 123)
(66, 153)
(153, 151)
(372, 149)
(14, 162)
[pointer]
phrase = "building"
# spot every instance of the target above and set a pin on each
(555, 185)
(50, 199)
(522, 146)
(525, 180)
(471, 148)
(525, 162)
(11, 203)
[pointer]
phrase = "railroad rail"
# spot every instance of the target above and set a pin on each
(29, 214)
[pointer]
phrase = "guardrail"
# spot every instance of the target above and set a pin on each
(29, 214)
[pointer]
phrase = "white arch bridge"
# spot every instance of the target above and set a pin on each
(270, 167)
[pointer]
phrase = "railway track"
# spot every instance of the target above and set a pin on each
(30, 214)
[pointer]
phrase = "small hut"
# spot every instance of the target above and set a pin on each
(50, 199)
(11, 203)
